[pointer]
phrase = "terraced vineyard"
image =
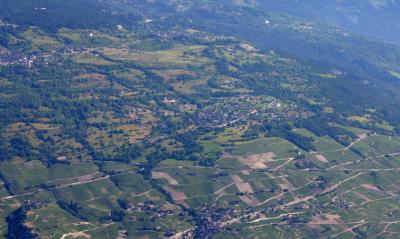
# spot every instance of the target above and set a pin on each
(335, 191)
(264, 187)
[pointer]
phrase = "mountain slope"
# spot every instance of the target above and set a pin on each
(376, 18)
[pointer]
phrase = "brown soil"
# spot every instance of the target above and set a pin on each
(162, 175)
(257, 161)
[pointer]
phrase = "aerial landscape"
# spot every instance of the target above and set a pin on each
(274, 119)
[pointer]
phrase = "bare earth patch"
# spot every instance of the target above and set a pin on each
(43, 126)
(362, 196)
(370, 187)
(321, 158)
(327, 219)
(166, 176)
(79, 234)
(29, 225)
(91, 76)
(249, 200)
(170, 207)
(122, 234)
(245, 187)
(362, 136)
(286, 184)
(257, 161)
(30, 213)
(241, 185)
(178, 197)
(15, 205)
(103, 190)
(245, 172)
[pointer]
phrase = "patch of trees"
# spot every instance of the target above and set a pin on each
(259, 66)
(46, 154)
(305, 164)
(123, 203)
(285, 131)
(300, 141)
(222, 66)
(115, 216)
(162, 190)
(189, 142)
(250, 134)
(208, 161)
(321, 128)
(213, 82)
(5, 32)
(153, 159)
(123, 154)
(16, 228)
(21, 146)
(52, 15)
(72, 208)
(7, 184)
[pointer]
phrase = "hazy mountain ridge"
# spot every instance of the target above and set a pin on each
(370, 17)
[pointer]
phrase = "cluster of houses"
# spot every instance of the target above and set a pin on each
(8, 58)
(158, 212)
(15, 58)
(30, 204)
(247, 109)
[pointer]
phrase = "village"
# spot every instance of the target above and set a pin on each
(249, 110)
(10, 57)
